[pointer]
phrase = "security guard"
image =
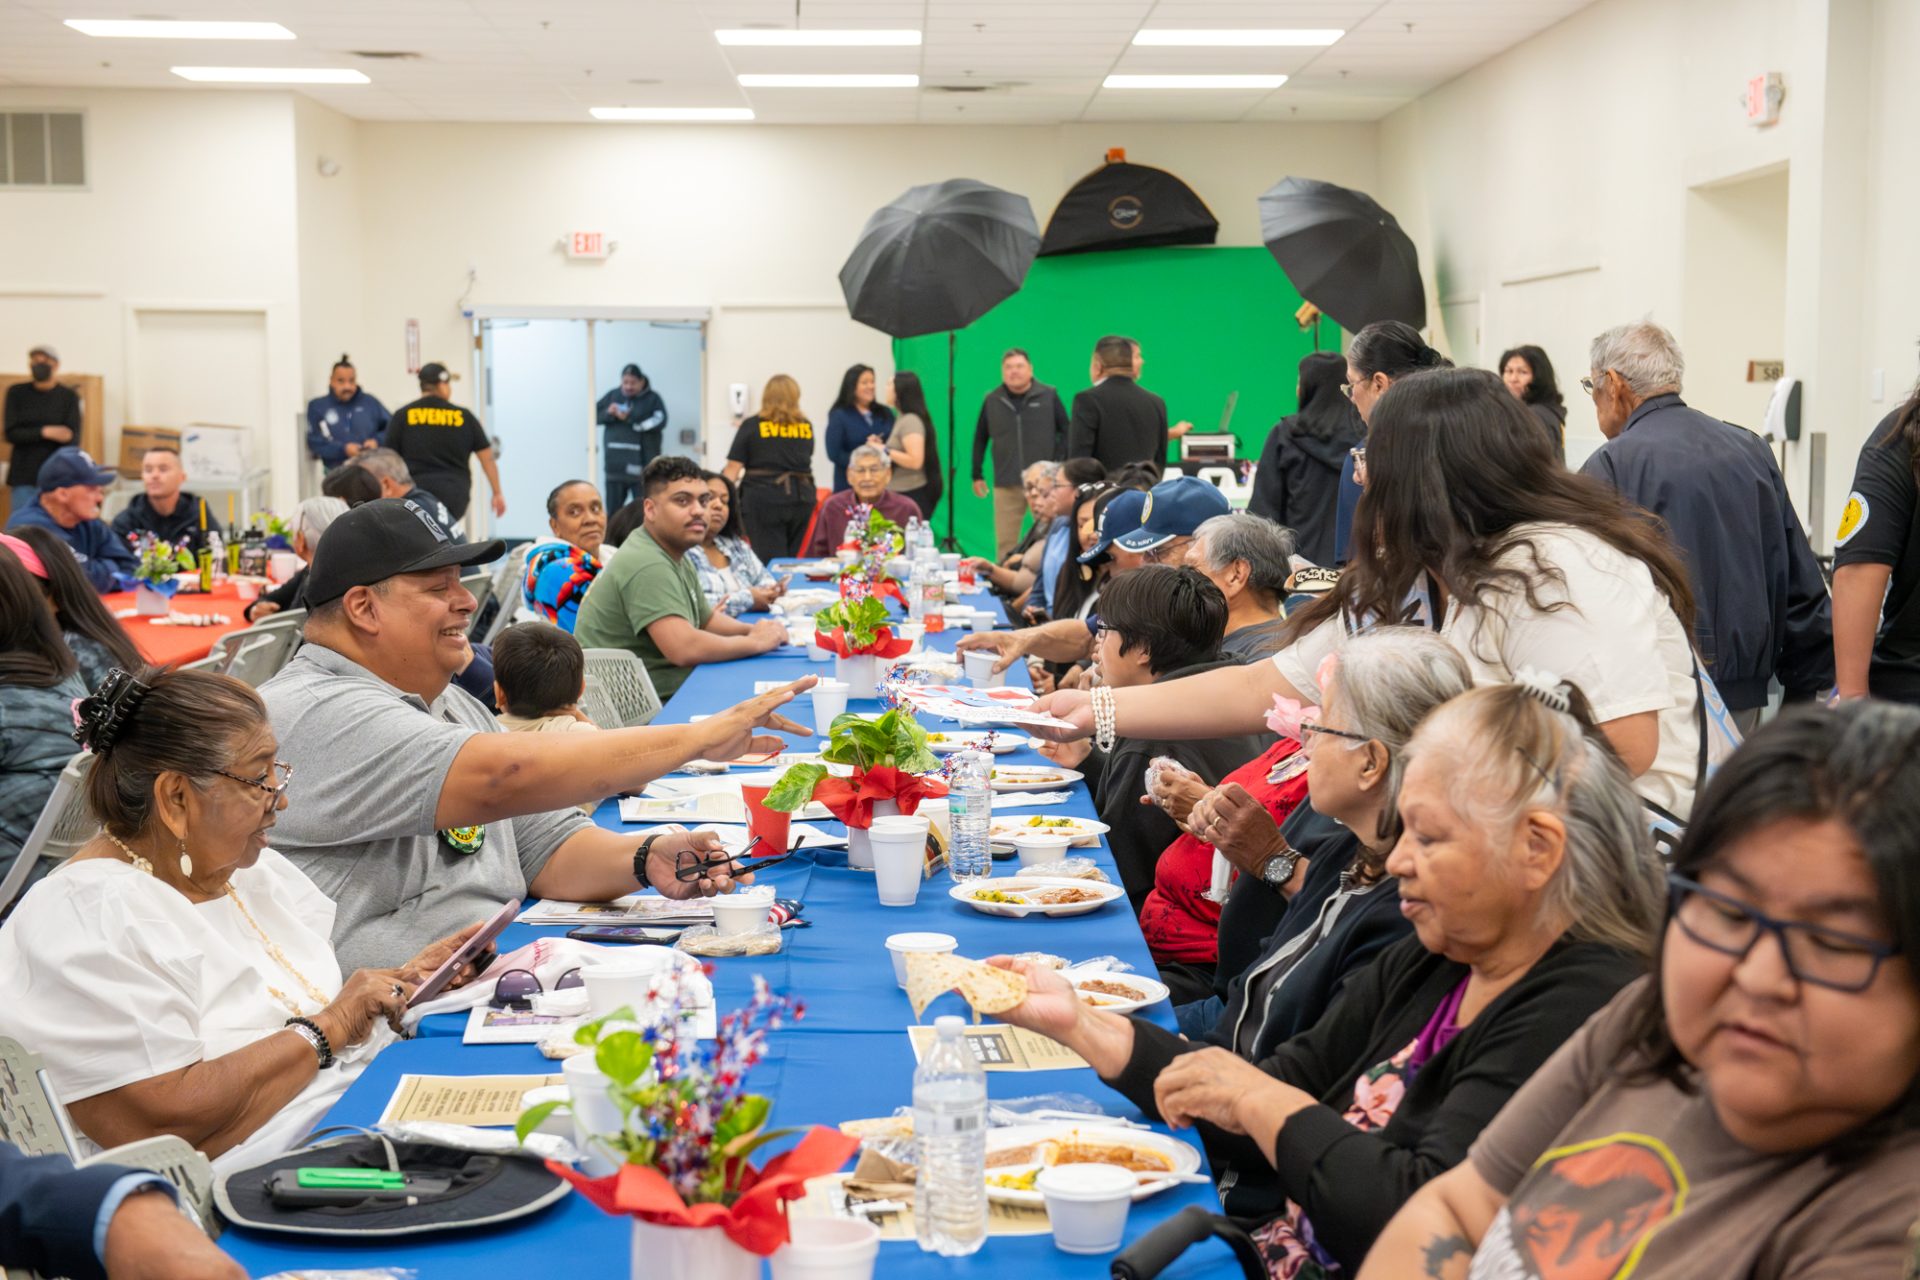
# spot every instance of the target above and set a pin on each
(346, 420)
(636, 420)
(437, 436)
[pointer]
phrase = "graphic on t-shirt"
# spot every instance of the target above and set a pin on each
(1585, 1212)
(1853, 517)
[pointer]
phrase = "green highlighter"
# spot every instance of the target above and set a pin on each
(354, 1179)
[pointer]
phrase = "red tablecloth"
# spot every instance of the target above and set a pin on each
(174, 645)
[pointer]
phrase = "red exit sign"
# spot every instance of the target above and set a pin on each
(587, 244)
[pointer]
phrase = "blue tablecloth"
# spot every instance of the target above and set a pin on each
(850, 1056)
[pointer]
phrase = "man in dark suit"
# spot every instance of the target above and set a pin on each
(1116, 420)
(99, 1221)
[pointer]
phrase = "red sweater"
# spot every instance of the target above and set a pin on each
(1178, 920)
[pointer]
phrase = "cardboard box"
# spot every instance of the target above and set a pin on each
(135, 441)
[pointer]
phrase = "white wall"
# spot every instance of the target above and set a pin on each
(190, 208)
(329, 214)
(1553, 183)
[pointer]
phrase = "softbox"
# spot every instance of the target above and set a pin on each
(1128, 206)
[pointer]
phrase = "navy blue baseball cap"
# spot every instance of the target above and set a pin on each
(1174, 509)
(70, 466)
(1120, 515)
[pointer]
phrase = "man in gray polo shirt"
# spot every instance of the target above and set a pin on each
(408, 805)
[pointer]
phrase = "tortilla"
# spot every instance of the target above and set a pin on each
(987, 989)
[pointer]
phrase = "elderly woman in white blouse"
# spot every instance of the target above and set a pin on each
(176, 974)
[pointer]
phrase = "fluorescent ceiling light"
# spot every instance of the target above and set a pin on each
(272, 75)
(672, 113)
(1193, 82)
(829, 82)
(165, 29)
(785, 37)
(1253, 37)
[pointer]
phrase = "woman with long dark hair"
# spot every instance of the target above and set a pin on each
(97, 640)
(1528, 374)
(1468, 526)
(1876, 565)
(730, 574)
(916, 459)
(38, 684)
(1297, 483)
(856, 416)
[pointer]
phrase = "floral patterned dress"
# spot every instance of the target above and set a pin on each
(1286, 1243)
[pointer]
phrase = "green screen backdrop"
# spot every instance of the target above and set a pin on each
(1210, 321)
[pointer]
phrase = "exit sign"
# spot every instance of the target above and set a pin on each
(587, 244)
(1762, 98)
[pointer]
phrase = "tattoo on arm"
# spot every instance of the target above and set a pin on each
(1446, 1257)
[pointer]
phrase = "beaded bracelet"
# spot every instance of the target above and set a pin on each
(1105, 718)
(307, 1030)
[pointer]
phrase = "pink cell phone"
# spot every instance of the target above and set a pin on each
(437, 981)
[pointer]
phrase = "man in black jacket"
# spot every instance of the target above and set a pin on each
(1025, 423)
(636, 421)
(41, 415)
(1116, 420)
(1762, 604)
(165, 508)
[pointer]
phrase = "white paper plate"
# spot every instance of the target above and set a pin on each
(1033, 777)
(965, 892)
(949, 740)
(1152, 990)
(1085, 831)
(1184, 1158)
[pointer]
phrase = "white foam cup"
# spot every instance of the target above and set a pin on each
(1087, 1204)
(743, 910)
(980, 672)
(1036, 847)
(899, 944)
(827, 1249)
(899, 857)
(638, 981)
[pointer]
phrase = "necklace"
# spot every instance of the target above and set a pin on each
(279, 957)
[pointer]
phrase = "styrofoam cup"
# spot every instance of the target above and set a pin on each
(743, 910)
(1036, 847)
(941, 944)
(827, 1249)
(627, 981)
(1087, 1204)
(899, 857)
(980, 672)
(593, 1111)
(829, 703)
(950, 562)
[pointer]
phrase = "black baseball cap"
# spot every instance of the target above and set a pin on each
(384, 539)
(433, 373)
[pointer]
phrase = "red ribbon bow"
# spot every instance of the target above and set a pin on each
(755, 1221)
(851, 799)
(885, 643)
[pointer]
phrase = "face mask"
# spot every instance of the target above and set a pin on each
(40, 370)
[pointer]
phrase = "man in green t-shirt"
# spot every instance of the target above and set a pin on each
(648, 598)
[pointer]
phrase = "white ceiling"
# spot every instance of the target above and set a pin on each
(1040, 61)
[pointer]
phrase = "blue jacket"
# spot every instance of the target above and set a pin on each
(332, 425)
(847, 431)
(50, 1212)
(104, 554)
(1762, 604)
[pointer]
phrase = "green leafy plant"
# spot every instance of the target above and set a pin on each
(159, 561)
(859, 620)
(882, 532)
(895, 739)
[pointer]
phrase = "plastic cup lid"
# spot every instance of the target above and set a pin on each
(1087, 1182)
(922, 942)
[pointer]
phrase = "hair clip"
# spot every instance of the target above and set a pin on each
(101, 717)
(1549, 690)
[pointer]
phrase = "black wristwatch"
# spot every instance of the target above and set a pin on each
(1279, 867)
(640, 859)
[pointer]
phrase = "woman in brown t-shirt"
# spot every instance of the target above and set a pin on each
(1755, 1112)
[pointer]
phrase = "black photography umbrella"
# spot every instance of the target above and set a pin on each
(1344, 253)
(936, 259)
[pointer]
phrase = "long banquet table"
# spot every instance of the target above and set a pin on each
(848, 1058)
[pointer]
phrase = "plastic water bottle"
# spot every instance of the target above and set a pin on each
(970, 806)
(950, 1128)
(917, 592)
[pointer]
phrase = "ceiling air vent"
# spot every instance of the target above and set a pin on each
(43, 149)
(386, 55)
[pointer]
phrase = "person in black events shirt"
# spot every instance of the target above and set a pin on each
(1876, 566)
(41, 416)
(436, 437)
(772, 461)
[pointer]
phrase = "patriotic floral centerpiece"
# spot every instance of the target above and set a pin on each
(878, 540)
(160, 560)
(689, 1126)
(888, 756)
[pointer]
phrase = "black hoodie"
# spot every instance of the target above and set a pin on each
(1297, 484)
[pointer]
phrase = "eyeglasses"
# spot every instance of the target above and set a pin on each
(1346, 389)
(1168, 552)
(1309, 726)
(280, 767)
(1359, 455)
(871, 469)
(1824, 957)
(516, 988)
(690, 865)
(1588, 385)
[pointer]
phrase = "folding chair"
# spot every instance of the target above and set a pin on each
(628, 685)
(259, 655)
(507, 593)
(599, 705)
(63, 826)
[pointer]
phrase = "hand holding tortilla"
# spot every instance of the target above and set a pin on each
(987, 989)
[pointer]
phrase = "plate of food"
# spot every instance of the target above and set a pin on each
(1016, 1155)
(1084, 831)
(1035, 896)
(818, 570)
(1029, 777)
(1116, 992)
(968, 740)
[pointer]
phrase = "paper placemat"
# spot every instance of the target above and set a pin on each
(475, 1100)
(1003, 1048)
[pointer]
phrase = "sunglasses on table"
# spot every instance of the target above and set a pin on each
(691, 865)
(516, 988)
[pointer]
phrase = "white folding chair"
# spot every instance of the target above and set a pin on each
(599, 705)
(627, 684)
(481, 584)
(507, 592)
(65, 823)
(260, 654)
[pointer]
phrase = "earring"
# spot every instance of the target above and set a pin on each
(186, 861)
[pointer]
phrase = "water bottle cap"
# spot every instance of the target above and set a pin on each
(950, 1024)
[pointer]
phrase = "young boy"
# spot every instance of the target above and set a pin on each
(539, 673)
